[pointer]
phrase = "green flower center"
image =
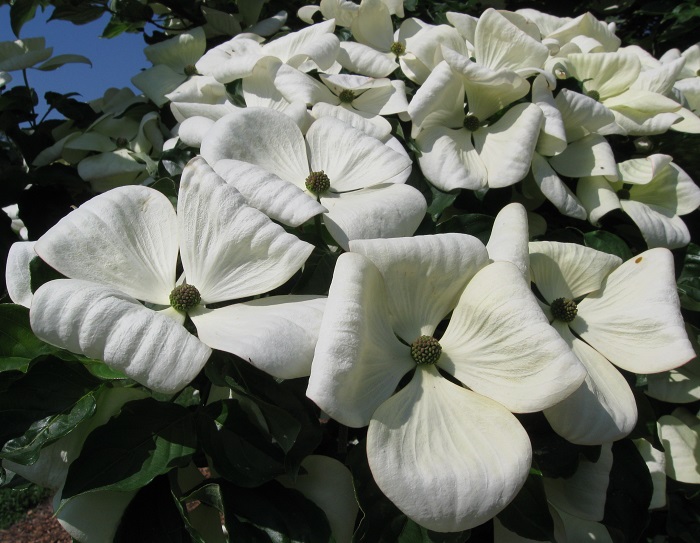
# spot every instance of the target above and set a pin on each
(317, 182)
(190, 69)
(643, 145)
(184, 297)
(594, 94)
(347, 96)
(398, 48)
(121, 142)
(564, 309)
(426, 350)
(471, 122)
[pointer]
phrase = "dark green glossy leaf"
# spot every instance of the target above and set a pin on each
(607, 243)
(240, 450)
(78, 13)
(289, 416)
(148, 438)
(689, 279)
(629, 492)
(70, 108)
(41, 273)
(440, 201)
(21, 12)
(528, 514)
(100, 369)
(474, 224)
(153, 516)
(51, 388)
(413, 533)
(18, 344)
(318, 273)
(382, 522)
(552, 455)
(273, 513)
(26, 449)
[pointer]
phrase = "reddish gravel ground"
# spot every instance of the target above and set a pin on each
(38, 526)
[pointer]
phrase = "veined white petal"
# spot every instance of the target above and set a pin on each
(361, 59)
(668, 186)
(278, 199)
(17, 276)
(230, 250)
(105, 324)
(372, 125)
(125, 238)
(583, 495)
(373, 25)
(351, 159)
(231, 60)
(552, 139)
(447, 458)
(681, 385)
(660, 227)
(424, 276)
(634, 320)
(609, 74)
(554, 189)
(509, 238)
(358, 361)
(93, 517)
(448, 159)
(316, 42)
(568, 270)
(385, 100)
(681, 442)
(192, 131)
(602, 409)
(439, 101)
(656, 463)
(276, 334)
(582, 115)
(389, 210)
(506, 147)
(178, 52)
(499, 44)
(597, 196)
(590, 155)
(500, 344)
(263, 137)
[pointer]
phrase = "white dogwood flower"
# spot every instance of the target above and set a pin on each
(121, 248)
(449, 455)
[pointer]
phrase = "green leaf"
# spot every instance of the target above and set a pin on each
(78, 13)
(382, 522)
(689, 279)
(148, 438)
(26, 449)
(290, 418)
(80, 112)
(100, 369)
(273, 513)
(607, 243)
(528, 514)
(240, 450)
(474, 224)
(440, 201)
(629, 492)
(18, 344)
(153, 516)
(22, 11)
(60, 60)
(52, 387)
(40, 273)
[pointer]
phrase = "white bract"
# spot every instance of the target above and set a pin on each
(362, 196)
(609, 312)
(450, 456)
(122, 247)
(653, 191)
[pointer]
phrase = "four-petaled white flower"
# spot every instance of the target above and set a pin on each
(122, 247)
(449, 455)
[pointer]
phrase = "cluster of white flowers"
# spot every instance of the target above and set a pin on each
(434, 342)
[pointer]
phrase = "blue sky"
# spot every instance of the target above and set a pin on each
(114, 61)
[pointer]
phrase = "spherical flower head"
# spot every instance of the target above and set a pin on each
(346, 96)
(594, 94)
(398, 48)
(564, 309)
(185, 297)
(318, 182)
(471, 122)
(190, 70)
(426, 350)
